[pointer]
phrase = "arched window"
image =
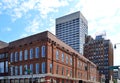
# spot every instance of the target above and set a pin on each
(57, 55)
(16, 56)
(37, 52)
(66, 59)
(11, 57)
(43, 51)
(20, 55)
(31, 53)
(43, 67)
(37, 68)
(62, 57)
(25, 54)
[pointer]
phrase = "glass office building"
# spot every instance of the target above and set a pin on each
(72, 29)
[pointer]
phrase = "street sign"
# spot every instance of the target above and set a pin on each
(28, 71)
(113, 67)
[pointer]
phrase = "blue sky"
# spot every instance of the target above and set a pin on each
(20, 18)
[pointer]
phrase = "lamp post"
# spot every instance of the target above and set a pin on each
(30, 72)
(115, 45)
(118, 66)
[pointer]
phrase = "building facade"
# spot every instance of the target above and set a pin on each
(43, 58)
(3, 60)
(72, 29)
(100, 51)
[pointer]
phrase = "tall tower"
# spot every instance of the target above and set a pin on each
(100, 51)
(72, 30)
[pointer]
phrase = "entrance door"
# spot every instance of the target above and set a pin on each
(80, 81)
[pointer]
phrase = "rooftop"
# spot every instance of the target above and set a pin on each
(3, 44)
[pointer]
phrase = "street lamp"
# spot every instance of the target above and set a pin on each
(118, 66)
(115, 45)
(30, 72)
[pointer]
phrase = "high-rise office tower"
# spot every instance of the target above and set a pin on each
(100, 51)
(72, 29)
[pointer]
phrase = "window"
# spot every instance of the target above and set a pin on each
(1, 67)
(57, 55)
(31, 53)
(20, 69)
(78, 74)
(16, 70)
(43, 67)
(62, 70)
(70, 73)
(16, 56)
(25, 54)
(43, 51)
(11, 70)
(67, 72)
(79, 64)
(11, 57)
(70, 61)
(26, 68)
(57, 69)
(2, 56)
(62, 57)
(31, 68)
(37, 52)
(62, 81)
(51, 68)
(66, 59)
(6, 65)
(37, 68)
(20, 56)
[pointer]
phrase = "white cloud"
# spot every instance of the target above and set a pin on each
(9, 4)
(23, 35)
(33, 26)
(51, 27)
(102, 15)
(0, 4)
(17, 8)
(46, 6)
(0, 8)
(6, 29)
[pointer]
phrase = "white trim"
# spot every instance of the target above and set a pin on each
(43, 75)
(24, 76)
(2, 78)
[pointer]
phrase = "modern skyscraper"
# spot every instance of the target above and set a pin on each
(72, 29)
(100, 51)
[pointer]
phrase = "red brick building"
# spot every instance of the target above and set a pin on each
(3, 60)
(44, 58)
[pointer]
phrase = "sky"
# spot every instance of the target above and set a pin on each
(21, 18)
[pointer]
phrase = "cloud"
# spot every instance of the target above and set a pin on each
(0, 8)
(51, 27)
(23, 35)
(102, 15)
(34, 25)
(0, 4)
(6, 29)
(20, 8)
(47, 6)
